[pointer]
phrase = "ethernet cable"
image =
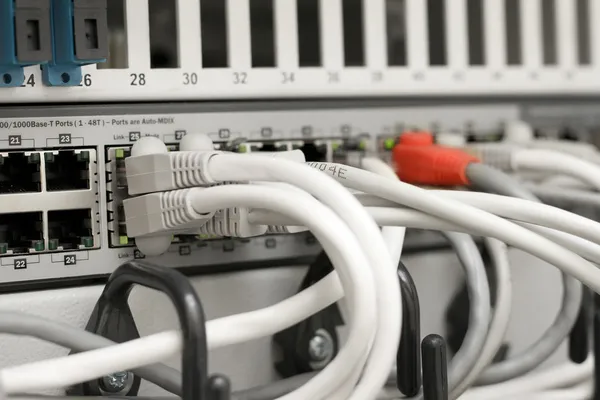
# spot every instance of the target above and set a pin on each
(168, 378)
(420, 221)
(501, 315)
(229, 195)
(469, 217)
(392, 235)
(564, 375)
(171, 342)
(344, 169)
(572, 195)
(158, 343)
(235, 192)
(521, 135)
(80, 340)
(496, 181)
(208, 167)
(479, 313)
(565, 228)
(468, 253)
(547, 162)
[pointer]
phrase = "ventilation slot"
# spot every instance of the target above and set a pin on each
(396, 32)
(262, 32)
(213, 19)
(164, 49)
(309, 33)
(513, 32)
(354, 48)
(583, 32)
(549, 32)
(117, 36)
(475, 32)
(436, 22)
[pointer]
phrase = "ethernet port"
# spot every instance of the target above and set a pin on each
(67, 170)
(70, 229)
(19, 173)
(21, 233)
(314, 151)
(268, 147)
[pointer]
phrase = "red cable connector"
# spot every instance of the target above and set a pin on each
(419, 161)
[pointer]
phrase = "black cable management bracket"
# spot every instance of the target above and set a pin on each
(113, 319)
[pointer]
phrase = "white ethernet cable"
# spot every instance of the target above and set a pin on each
(516, 159)
(520, 134)
(558, 163)
(343, 361)
(69, 370)
(231, 195)
(500, 318)
(334, 236)
(161, 170)
(414, 219)
(564, 375)
(567, 229)
(469, 217)
(528, 211)
(457, 212)
(392, 235)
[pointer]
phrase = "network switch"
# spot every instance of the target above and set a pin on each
(62, 177)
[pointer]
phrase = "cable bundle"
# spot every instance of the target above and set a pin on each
(189, 192)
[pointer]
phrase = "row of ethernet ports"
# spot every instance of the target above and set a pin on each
(51, 171)
(331, 150)
(38, 231)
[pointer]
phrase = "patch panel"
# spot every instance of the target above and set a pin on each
(212, 49)
(62, 174)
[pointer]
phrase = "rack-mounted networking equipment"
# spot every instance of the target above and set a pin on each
(62, 170)
(215, 49)
(62, 174)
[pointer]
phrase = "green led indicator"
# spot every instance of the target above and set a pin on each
(123, 240)
(53, 244)
(389, 143)
(242, 148)
(362, 145)
(3, 248)
(33, 158)
(83, 156)
(87, 241)
(120, 153)
(38, 245)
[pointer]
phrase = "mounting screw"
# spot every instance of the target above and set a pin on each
(117, 383)
(321, 349)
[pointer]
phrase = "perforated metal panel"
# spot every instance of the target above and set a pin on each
(385, 48)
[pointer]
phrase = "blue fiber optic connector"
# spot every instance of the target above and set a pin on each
(79, 37)
(24, 38)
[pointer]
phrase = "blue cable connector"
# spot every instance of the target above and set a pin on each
(79, 37)
(24, 38)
